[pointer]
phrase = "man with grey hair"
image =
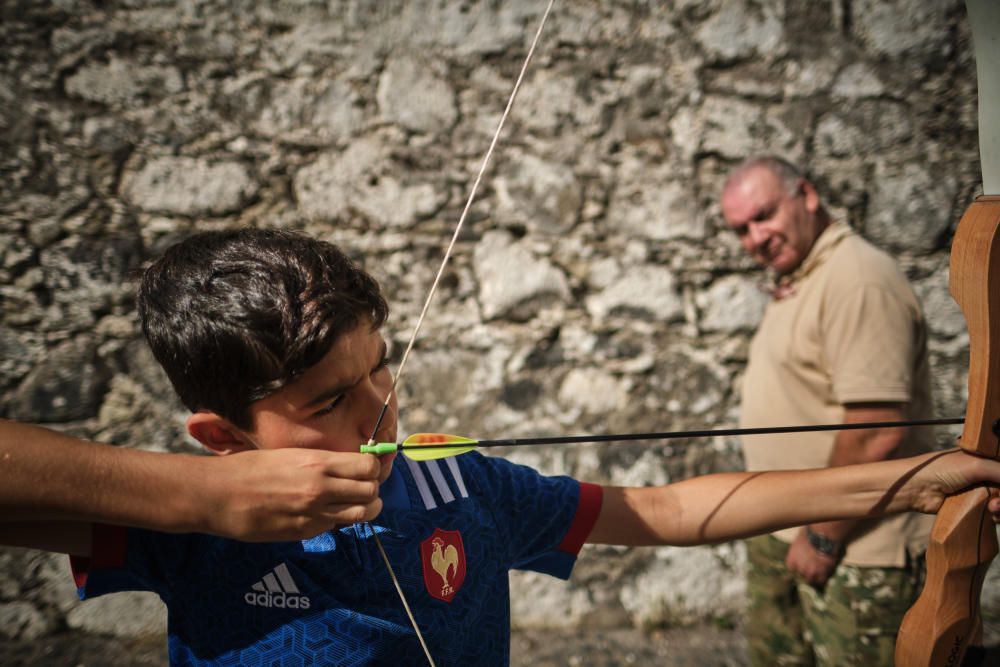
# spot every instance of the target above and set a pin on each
(842, 340)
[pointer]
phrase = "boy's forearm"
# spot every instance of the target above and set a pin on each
(862, 446)
(50, 476)
(727, 506)
(768, 501)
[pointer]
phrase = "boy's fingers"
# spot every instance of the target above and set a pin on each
(349, 514)
(332, 517)
(352, 465)
(341, 491)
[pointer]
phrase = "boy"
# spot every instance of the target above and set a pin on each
(272, 340)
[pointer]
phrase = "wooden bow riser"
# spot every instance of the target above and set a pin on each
(946, 618)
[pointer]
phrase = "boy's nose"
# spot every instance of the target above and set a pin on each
(371, 410)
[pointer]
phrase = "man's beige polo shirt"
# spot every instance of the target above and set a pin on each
(850, 331)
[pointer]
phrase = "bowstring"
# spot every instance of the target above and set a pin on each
(430, 298)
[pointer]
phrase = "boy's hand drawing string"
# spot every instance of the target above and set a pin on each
(430, 297)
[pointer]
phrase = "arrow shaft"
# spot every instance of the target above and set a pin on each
(673, 435)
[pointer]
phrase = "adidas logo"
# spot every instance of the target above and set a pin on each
(277, 589)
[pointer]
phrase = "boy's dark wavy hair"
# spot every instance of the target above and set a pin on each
(234, 316)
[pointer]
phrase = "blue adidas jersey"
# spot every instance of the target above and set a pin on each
(452, 530)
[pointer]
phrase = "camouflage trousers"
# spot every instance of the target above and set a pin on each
(852, 620)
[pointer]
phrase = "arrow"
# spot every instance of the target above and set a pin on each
(428, 446)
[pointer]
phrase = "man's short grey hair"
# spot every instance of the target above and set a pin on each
(788, 173)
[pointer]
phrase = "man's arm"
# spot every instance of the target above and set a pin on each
(728, 506)
(850, 447)
(255, 496)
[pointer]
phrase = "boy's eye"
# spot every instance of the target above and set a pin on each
(382, 365)
(329, 407)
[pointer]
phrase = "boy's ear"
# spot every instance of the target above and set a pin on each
(217, 433)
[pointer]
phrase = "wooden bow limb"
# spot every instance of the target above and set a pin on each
(946, 618)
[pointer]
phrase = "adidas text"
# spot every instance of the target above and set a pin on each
(277, 600)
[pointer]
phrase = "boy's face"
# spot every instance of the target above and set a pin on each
(333, 405)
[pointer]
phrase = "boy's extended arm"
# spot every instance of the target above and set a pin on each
(727, 506)
(255, 496)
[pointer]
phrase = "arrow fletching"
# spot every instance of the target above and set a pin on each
(425, 446)
(429, 446)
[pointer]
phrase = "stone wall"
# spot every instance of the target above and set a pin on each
(593, 288)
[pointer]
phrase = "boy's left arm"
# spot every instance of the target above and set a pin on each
(728, 506)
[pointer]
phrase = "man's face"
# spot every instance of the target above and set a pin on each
(333, 405)
(777, 227)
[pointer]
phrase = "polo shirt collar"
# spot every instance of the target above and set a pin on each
(825, 244)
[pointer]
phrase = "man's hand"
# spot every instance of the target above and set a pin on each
(287, 494)
(814, 567)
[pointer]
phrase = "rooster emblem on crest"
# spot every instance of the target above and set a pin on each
(442, 555)
(444, 560)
